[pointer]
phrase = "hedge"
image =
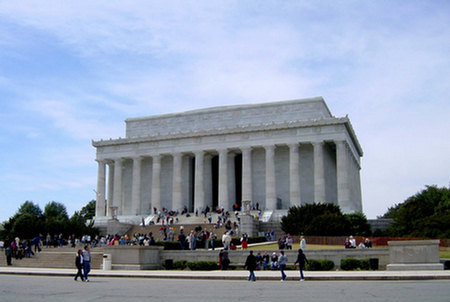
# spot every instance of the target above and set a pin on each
(181, 264)
(320, 265)
(203, 265)
(349, 264)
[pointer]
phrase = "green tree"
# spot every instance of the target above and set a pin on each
(358, 224)
(26, 226)
(30, 208)
(25, 223)
(29, 221)
(77, 223)
(55, 218)
(323, 219)
(55, 210)
(88, 211)
(425, 214)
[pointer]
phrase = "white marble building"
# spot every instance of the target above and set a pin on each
(275, 154)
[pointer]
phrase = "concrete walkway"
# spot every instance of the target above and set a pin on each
(236, 274)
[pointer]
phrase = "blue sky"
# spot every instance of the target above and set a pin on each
(73, 71)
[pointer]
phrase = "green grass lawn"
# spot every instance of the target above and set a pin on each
(444, 253)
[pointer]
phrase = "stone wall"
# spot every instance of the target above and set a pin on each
(237, 257)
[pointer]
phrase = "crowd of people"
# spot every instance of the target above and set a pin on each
(259, 261)
(350, 243)
(200, 237)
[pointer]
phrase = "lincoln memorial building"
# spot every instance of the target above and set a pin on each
(276, 155)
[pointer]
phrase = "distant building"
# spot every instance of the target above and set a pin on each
(275, 155)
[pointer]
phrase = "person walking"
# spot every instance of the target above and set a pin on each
(301, 259)
(79, 265)
(8, 253)
(250, 264)
(282, 261)
(86, 262)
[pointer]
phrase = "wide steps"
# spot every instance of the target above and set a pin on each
(54, 258)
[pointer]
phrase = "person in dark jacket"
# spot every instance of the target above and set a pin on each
(79, 265)
(182, 239)
(224, 261)
(250, 264)
(301, 259)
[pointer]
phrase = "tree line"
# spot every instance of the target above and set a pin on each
(423, 215)
(30, 220)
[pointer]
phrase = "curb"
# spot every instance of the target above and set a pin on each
(124, 274)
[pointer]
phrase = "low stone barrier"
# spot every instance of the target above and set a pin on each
(142, 257)
(414, 255)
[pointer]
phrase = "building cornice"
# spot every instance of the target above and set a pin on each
(234, 130)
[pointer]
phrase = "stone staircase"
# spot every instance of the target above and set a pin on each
(55, 258)
(189, 223)
(266, 224)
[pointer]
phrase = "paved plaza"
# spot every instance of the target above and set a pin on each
(46, 288)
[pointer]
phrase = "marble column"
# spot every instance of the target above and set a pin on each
(156, 182)
(294, 175)
(199, 189)
(136, 186)
(110, 193)
(271, 196)
(319, 173)
(207, 181)
(117, 195)
(223, 180)
(177, 202)
(343, 190)
(101, 188)
(247, 189)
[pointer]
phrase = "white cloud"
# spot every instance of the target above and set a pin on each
(384, 64)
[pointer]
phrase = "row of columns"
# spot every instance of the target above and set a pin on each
(115, 179)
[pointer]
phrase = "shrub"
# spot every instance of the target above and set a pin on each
(256, 239)
(364, 264)
(320, 265)
(202, 265)
(180, 264)
(349, 264)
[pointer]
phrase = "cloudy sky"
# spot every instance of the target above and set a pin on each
(73, 71)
